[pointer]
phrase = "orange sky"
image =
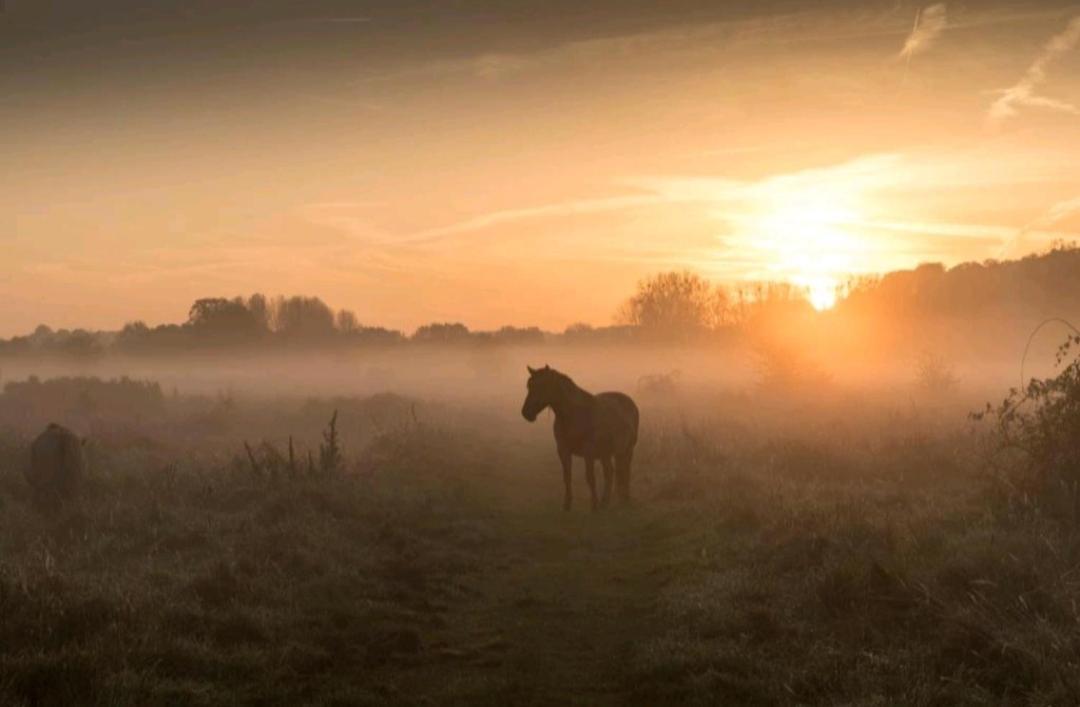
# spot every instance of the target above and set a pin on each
(416, 161)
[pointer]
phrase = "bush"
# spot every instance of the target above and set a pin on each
(785, 367)
(1037, 440)
(934, 374)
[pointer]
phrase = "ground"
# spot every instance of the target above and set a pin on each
(437, 567)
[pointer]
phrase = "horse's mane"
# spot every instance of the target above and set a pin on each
(567, 384)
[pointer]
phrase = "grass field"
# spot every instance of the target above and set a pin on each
(801, 555)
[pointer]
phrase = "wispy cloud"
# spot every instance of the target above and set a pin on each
(724, 196)
(1060, 211)
(1049, 218)
(866, 172)
(506, 216)
(704, 42)
(1024, 92)
(692, 42)
(941, 229)
(828, 219)
(930, 22)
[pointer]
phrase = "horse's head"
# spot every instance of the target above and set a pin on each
(544, 388)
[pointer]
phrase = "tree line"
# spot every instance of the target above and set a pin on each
(676, 306)
(254, 322)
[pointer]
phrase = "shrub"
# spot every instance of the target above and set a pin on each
(785, 367)
(933, 374)
(1037, 437)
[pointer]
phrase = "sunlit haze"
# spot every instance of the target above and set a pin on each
(539, 352)
(477, 161)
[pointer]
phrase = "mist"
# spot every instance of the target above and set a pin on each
(357, 352)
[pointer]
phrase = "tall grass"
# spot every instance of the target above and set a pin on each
(800, 547)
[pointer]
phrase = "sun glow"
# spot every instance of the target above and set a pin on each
(802, 234)
(822, 295)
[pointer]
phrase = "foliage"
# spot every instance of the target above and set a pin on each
(934, 374)
(217, 319)
(303, 318)
(1037, 285)
(784, 366)
(346, 322)
(676, 304)
(442, 333)
(1037, 437)
(764, 306)
(971, 302)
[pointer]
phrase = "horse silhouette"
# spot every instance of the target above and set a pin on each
(602, 426)
(57, 464)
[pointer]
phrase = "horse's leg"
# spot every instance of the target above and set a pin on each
(622, 473)
(609, 473)
(567, 459)
(590, 476)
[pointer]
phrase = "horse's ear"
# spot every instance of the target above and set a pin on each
(547, 367)
(532, 371)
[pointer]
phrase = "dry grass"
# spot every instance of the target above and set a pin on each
(793, 556)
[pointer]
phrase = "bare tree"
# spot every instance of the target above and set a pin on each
(676, 304)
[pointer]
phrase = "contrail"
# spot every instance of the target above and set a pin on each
(907, 54)
(929, 24)
(1022, 93)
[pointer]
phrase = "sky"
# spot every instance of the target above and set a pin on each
(523, 163)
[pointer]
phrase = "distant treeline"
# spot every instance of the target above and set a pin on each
(1045, 284)
(672, 306)
(261, 323)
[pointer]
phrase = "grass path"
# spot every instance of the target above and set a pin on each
(555, 615)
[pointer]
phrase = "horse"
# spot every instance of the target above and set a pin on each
(57, 464)
(602, 426)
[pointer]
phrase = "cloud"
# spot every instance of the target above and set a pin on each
(505, 216)
(745, 227)
(1061, 211)
(1023, 93)
(869, 171)
(930, 22)
(1051, 217)
(701, 42)
(863, 173)
(942, 229)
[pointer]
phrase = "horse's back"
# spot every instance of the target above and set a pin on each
(621, 414)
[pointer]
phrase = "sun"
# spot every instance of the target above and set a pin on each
(822, 295)
(803, 236)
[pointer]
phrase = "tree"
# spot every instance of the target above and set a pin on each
(259, 307)
(223, 320)
(303, 318)
(135, 336)
(347, 322)
(676, 304)
(768, 304)
(42, 336)
(80, 343)
(442, 333)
